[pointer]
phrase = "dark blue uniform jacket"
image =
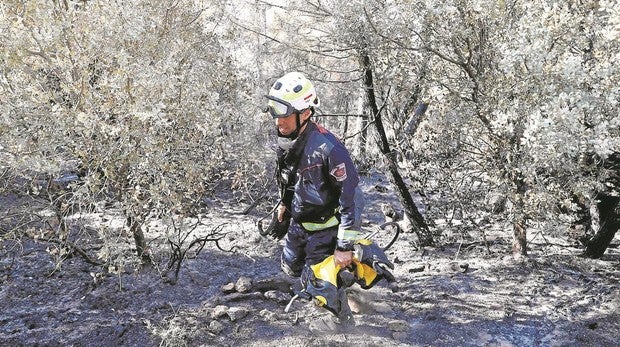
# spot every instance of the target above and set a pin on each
(325, 179)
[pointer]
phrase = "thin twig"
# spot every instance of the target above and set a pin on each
(359, 132)
(74, 247)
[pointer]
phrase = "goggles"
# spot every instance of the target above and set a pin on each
(279, 108)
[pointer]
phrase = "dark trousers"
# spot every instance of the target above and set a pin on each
(304, 248)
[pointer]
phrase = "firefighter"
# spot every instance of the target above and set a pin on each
(321, 203)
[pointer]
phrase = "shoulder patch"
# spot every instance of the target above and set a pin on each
(339, 172)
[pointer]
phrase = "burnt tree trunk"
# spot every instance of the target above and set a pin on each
(519, 227)
(608, 209)
(345, 128)
(364, 137)
(519, 240)
(417, 220)
(135, 227)
(609, 222)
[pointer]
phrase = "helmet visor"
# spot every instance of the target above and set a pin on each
(279, 108)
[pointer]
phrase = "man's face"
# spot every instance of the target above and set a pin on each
(287, 125)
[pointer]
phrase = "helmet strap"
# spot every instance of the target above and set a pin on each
(298, 127)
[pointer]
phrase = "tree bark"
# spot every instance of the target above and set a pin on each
(363, 137)
(140, 241)
(519, 227)
(609, 222)
(519, 243)
(608, 206)
(411, 211)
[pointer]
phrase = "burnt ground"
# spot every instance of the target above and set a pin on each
(465, 293)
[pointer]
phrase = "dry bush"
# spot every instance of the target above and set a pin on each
(139, 103)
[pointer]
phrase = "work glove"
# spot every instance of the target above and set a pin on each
(276, 229)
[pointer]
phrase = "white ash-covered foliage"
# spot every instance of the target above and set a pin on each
(563, 93)
(141, 95)
(523, 97)
(534, 94)
(139, 98)
(162, 98)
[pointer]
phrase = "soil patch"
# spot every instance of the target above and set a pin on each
(460, 294)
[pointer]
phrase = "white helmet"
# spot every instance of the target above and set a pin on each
(291, 93)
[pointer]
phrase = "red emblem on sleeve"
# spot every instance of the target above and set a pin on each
(339, 172)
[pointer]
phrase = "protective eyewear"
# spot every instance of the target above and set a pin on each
(279, 108)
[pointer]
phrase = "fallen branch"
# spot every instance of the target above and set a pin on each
(73, 247)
